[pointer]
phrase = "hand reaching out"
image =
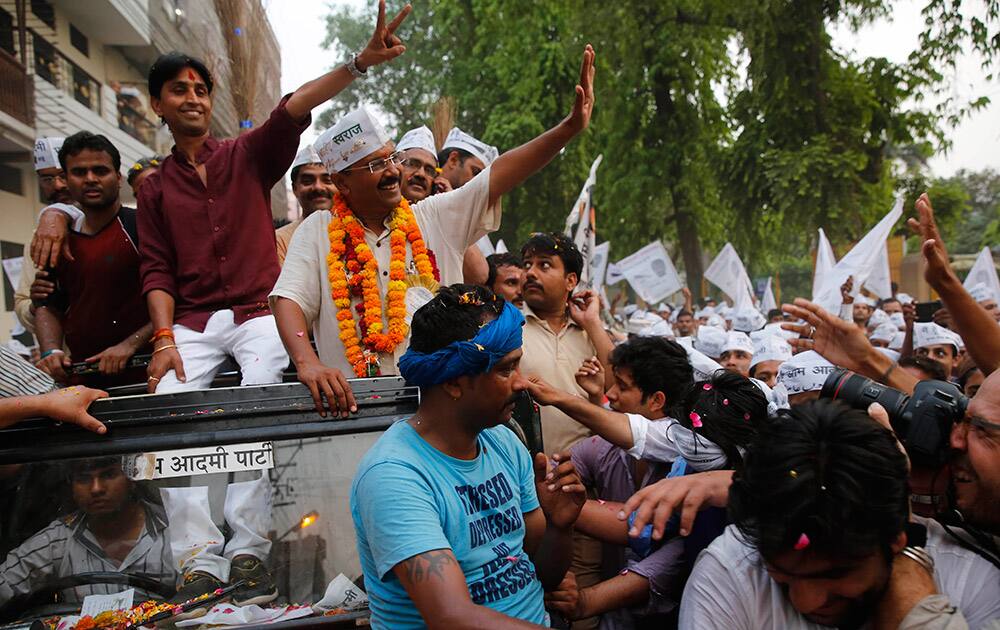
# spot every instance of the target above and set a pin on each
(838, 341)
(590, 377)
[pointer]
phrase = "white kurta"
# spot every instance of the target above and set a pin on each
(449, 222)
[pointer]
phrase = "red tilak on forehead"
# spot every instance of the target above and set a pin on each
(191, 75)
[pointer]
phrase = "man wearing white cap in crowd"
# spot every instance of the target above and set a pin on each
(399, 252)
(987, 298)
(685, 325)
(737, 353)
(863, 307)
(748, 320)
(313, 189)
(711, 341)
(769, 353)
(883, 335)
(52, 184)
(420, 176)
(936, 343)
(803, 375)
(461, 158)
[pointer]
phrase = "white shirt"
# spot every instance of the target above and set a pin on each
(449, 223)
(730, 588)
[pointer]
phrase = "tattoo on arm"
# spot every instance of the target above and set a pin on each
(428, 565)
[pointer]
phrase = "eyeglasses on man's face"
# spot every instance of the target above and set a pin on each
(415, 164)
(377, 165)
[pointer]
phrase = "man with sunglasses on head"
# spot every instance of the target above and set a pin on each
(357, 274)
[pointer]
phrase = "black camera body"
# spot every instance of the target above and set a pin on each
(922, 422)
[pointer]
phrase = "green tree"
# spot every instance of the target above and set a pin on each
(718, 120)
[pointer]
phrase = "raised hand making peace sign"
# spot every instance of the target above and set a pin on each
(384, 44)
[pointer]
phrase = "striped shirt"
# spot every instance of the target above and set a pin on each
(20, 378)
(67, 547)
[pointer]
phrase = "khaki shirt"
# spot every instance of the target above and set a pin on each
(283, 236)
(555, 357)
(449, 223)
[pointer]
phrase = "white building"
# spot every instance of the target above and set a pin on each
(72, 65)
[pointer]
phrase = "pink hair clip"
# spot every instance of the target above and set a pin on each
(746, 417)
(707, 387)
(695, 419)
(802, 542)
(725, 401)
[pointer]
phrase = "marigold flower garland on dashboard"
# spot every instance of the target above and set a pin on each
(353, 272)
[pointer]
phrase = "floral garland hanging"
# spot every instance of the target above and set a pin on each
(353, 272)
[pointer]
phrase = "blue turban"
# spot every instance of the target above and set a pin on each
(494, 340)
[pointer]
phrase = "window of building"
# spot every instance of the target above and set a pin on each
(10, 180)
(79, 40)
(43, 11)
(86, 90)
(7, 33)
(46, 59)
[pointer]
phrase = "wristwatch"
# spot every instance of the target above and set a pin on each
(352, 67)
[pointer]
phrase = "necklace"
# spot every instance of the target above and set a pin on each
(353, 272)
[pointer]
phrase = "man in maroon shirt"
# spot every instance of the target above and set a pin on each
(97, 307)
(209, 259)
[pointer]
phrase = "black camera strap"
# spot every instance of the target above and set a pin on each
(982, 544)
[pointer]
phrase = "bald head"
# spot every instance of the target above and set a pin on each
(986, 403)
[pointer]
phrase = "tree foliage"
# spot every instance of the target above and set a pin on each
(718, 120)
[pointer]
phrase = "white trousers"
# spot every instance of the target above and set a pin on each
(255, 344)
(196, 543)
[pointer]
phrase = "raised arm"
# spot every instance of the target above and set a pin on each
(436, 584)
(610, 425)
(517, 165)
(383, 46)
(585, 309)
(971, 320)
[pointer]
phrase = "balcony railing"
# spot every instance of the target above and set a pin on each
(15, 96)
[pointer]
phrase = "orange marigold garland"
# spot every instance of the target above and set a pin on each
(353, 271)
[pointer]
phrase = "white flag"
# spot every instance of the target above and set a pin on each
(501, 247)
(585, 200)
(613, 275)
(880, 282)
(983, 271)
(599, 264)
(825, 260)
(485, 245)
(768, 303)
(651, 272)
(728, 273)
(586, 228)
(859, 262)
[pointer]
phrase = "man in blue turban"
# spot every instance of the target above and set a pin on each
(453, 518)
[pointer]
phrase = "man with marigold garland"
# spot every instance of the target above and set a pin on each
(355, 275)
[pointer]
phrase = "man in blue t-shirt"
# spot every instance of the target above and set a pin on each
(455, 523)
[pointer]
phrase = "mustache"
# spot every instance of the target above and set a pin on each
(320, 194)
(388, 180)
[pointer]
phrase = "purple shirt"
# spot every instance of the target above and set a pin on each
(212, 247)
(610, 472)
